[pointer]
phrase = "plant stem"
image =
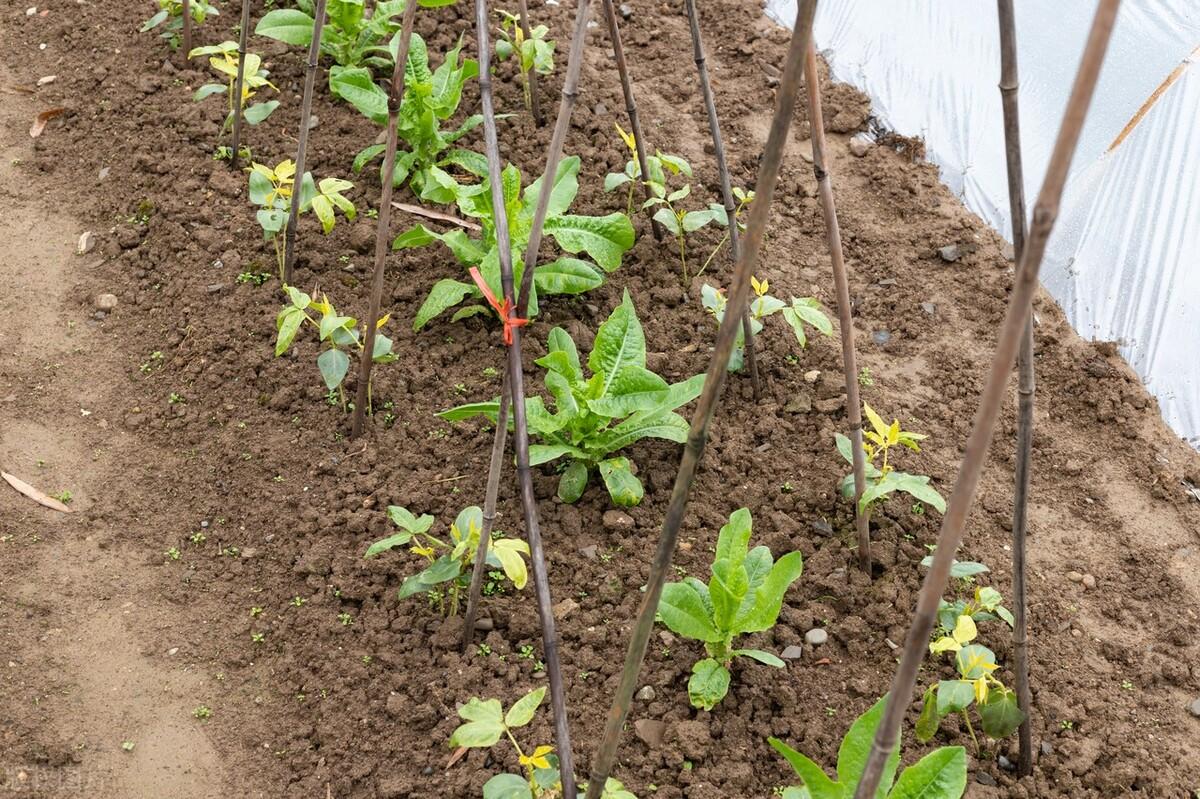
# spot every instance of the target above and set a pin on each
(841, 285)
(1024, 286)
(562, 732)
(532, 100)
(310, 73)
(698, 432)
(395, 97)
(635, 125)
(489, 513)
(240, 82)
(971, 729)
(714, 127)
(1026, 382)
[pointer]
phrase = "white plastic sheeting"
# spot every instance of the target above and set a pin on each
(1124, 261)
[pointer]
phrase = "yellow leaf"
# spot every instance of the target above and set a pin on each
(981, 690)
(285, 169)
(538, 758)
(881, 429)
(383, 320)
(628, 138)
(965, 630)
(894, 432)
(946, 644)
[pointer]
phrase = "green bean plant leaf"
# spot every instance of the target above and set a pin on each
(595, 417)
(802, 311)
(224, 59)
(169, 18)
(533, 53)
(744, 595)
(880, 444)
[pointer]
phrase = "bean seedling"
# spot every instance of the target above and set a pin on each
(271, 190)
(744, 595)
(535, 53)
(170, 17)
(941, 774)
(657, 166)
(224, 59)
(621, 403)
(803, 310)
(882, 478)
(450, 562)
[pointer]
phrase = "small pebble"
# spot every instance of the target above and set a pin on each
(589, 552)
(646, 694)
(861, 144)
(793, 652)
(929, 308)
(983, 778)
(1075, 577)
(1089, 581)
(811, 376)
(626, 11)
(949, 253)
(105, 302)
(87, 243)
(816, 636)
(1048, 748)
(1194, 708)
(618, 520)
(484, 625)
(1005, 763)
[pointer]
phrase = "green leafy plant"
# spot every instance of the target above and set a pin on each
(450, 561)
(657, 165)
(621, 403)
(486, 722)
(337, 334)
(743, 198)
(224, 59)
(430, 98)
(803, 310)
(170, 18)
(744, 596)
(941, 774)
(271, 190)
(533, 53)
(604, 239)
(882, 479)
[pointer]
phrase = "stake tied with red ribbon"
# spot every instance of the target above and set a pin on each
(505, 309)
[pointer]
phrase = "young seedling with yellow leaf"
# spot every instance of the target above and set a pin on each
(271, 190)
(486, 722)
(802, 311)
(879, 445)
(337, 334)
(533, 53)
(657, 165)
(170, 18)
(224, 59)
(449, 562)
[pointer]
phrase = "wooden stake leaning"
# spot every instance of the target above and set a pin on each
(395, 97)
(735, 236)
(516, 385)
(187, 29)
(1024, 286)
(698, 433)
(841, 283)
(1026, 385)
(239, 83)
(535, 101)
(310, 74)
(635, 125)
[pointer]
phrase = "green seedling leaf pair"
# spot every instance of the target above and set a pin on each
(803, 311)
(941, 774)
(170, 18)
(337, 334)
(657, 166)
(621, 403)
(430, 98)
(486, 722)
(450, 562)
(743, 596)
(604, 239)
(224, 59)
(271, 190)
(535, 53)
(879, 444)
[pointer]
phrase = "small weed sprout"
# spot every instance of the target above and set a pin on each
(802, 311)
(202, 712)
(533, 53)
(224, 59)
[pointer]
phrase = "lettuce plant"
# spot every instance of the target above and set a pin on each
(486, 722)
(170, 18)
(535, 53)
(803, 310)
(449, 562)
(604, 239)
(744, 595)
(224, 59)
(621, 403)
(271, 190)
(881, 477)
(941, 774)
(430, 98)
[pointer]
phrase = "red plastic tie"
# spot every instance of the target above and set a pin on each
(502, 307)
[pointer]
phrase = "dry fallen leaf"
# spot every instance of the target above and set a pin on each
(425, 212)
(15, 90)
(457, 756)
(39, 124)
(34, 494)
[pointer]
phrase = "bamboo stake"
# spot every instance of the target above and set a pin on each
(570, 92)
(841, 283)
(558, 702)
(395, 97)
(1027, 382)
(489, 515)
(698, 433)
(735, 236)
(1024, 286)
(239, 84)
(535, 102)
(187, 29)
(310, 74)
(614, 33)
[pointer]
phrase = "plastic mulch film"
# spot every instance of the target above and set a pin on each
(1124, 261)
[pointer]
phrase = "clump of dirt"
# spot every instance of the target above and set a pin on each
(335, 686)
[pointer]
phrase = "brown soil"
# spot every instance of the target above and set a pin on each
(104, 639)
